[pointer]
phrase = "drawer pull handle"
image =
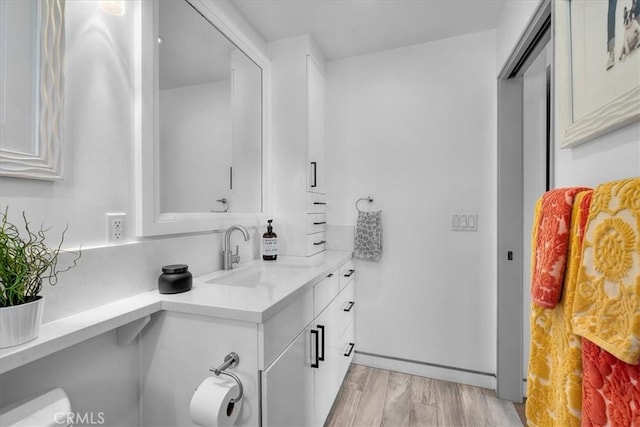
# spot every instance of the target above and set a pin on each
(320, 223)
(349, 273)
(315, 340)
(314, 166)
(330, 275)
(321, 242)
(350, 349)
(319, 203)
(349, 306)
(321, 357)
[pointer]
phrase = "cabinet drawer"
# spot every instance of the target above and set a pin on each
(316, 203)
(324, 292)
(316, 223)
(316, 242)
(347, 273)
(346, 306)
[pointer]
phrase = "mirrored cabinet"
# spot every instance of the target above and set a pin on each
(201, 141)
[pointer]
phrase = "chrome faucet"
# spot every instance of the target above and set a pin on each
(228, 257)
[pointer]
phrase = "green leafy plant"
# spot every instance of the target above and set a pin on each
(26, 261)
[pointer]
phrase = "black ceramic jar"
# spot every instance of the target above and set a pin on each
(174, 279)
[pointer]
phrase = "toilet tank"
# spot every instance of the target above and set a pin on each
(47, 409)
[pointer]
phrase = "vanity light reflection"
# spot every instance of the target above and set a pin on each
(114, 7)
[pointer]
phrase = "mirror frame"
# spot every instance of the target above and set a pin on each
(149, 220)
(46, 160)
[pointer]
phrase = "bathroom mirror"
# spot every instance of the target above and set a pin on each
(31, 82)
(200, 164)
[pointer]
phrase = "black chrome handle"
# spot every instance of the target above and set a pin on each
(350, 350)
(315, 335)
(349, 273)
(330, 275)
(321, 357)
(349, 306)
(319, 203)
(321, 242)
(314, 165)
(319, 223)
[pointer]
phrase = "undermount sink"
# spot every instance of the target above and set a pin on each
(251, 277)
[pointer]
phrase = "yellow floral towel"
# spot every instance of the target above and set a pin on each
(606, 309)
(554, 381)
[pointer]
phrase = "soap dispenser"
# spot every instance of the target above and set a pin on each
(269, 243)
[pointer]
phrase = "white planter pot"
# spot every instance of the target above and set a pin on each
(20, 323)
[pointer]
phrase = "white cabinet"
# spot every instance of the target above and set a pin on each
(301, 384)
(315, 126)
(297, 151)
(287, 385)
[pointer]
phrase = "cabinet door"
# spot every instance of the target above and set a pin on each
(315, 126)
(330, 373)
(287, 385)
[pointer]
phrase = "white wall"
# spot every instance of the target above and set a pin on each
(98, 178)
(415, 128)
(513, 20)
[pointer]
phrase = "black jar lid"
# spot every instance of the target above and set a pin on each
(175, 268)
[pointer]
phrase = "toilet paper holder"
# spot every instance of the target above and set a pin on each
(230, 360)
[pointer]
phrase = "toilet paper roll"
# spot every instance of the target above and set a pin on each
(211, 403)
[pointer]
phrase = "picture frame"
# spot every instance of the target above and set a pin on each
(43, 158)
(593, 96)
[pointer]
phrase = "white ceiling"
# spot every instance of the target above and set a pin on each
(354, 27)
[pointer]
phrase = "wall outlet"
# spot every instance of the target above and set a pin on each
(116, 227)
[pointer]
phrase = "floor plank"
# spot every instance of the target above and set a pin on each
(372, 397)
(502, 411)
(371, 406)
(474, 405)
(448, 404)
(344, 408)
(398, 401)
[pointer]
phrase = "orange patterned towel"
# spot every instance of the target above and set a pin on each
(606, 309)
(551, 245)
(554, 380)
(611, 389)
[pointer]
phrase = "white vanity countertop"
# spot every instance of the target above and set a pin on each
(287, 278)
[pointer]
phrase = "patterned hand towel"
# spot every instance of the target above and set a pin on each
(549, 255)
(611, 389)
(606, 310)
(554, 380)
(368, 236)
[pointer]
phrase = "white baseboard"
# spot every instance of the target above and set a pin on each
(423, 369)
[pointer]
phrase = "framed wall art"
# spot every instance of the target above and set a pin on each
(597, 67)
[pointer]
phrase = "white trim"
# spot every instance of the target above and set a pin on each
(438, 372)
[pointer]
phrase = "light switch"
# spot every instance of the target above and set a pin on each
(463, 222)
(455, 222)
(472, 222)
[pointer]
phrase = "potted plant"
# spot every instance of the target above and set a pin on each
(26, 262)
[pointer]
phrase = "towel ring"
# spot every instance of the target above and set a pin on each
(368, 199)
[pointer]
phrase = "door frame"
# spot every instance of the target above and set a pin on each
(510, 224)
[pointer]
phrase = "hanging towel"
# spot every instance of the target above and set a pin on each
(611, 389)
(368, 236)
(554, 380)
(606, 310)
(549, 255)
